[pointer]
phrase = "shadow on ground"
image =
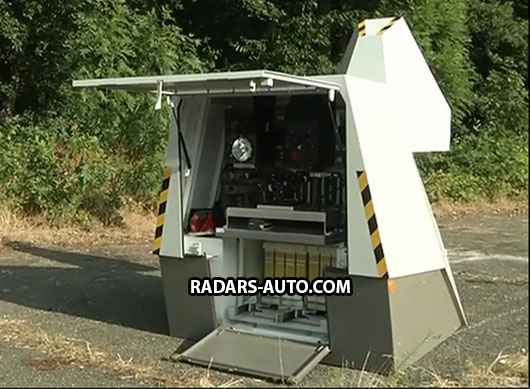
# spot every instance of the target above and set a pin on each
(100, 288)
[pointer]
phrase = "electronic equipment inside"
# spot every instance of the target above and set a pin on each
(281, 194)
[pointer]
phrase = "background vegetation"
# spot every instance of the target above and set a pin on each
(73, 155)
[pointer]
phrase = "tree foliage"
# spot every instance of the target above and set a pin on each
(78, 154)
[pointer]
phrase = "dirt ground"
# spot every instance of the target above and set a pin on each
(86, 314)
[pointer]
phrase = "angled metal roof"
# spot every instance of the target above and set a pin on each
(252, 81)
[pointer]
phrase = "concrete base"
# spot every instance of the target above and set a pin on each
(389, 324)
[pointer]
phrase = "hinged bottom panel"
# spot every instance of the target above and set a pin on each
(261, 356)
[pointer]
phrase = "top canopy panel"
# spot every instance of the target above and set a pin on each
(242, 82)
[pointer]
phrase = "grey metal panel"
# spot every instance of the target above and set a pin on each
(190, 317)
(252, 258)
(262, 356)
(311, 330)
(194, 128)
(424, 313)
(275, 213)
(207, 158)
(225, 266)
(286, 237)
(359, 325)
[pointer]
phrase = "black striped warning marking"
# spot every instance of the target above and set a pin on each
(390, 23)
(362, 28)
(162, 205)
(372, 224)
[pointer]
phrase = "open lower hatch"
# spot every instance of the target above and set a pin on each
(266, 356)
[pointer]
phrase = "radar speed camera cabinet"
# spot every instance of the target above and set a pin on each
(269, 174)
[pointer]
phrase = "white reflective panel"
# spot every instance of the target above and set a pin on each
(408, 236)
(387, 53)
(422, 106)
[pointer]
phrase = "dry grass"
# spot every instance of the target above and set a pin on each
(504, 371)
(138, 227)
(59, 351)
(509, 207)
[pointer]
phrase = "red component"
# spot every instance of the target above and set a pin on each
(296, 155)
(202, 221)
(196, 222)
(209, 224)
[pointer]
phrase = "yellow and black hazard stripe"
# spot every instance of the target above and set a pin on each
(362, 28)
(389, 24)
(377, 246)
(162, 205)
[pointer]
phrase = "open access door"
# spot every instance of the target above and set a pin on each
(265, 356)
(179, 173)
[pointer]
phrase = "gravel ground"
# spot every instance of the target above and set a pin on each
(110, 301)
(25, 368)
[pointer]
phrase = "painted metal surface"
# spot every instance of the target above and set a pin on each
(198, 137)
(172, 244)
(403, 214)
(423, 312)
(388, 53)
(399, 325)
(360, 327)
(189, 317)
(250, 81)
(262, 356)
